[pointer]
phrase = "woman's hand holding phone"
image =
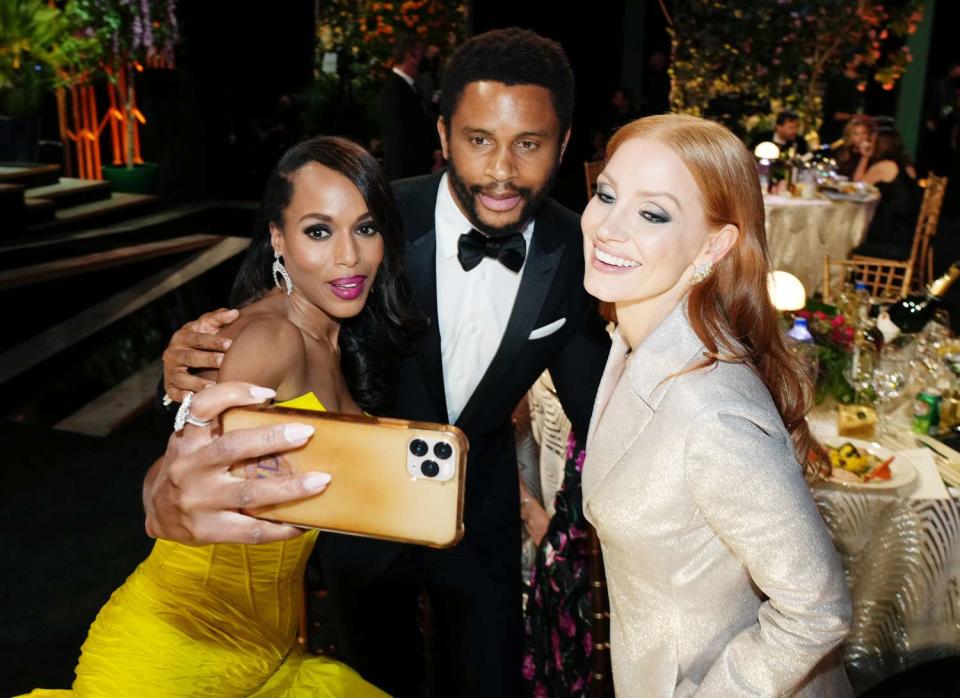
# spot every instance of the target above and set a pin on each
(191, 497)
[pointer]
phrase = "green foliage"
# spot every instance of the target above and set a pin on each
(363, 35)
(29, 33)
(783, 51)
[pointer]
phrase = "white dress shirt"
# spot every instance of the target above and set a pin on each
(473, 307)
(406, 78)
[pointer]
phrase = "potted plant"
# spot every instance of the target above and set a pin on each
(135, 34)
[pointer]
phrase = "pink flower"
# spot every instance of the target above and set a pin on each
(566, 624)
(529, 669)
(837, 321)
(819, 315)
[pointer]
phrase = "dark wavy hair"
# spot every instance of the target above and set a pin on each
(372, 343)
(513, 57)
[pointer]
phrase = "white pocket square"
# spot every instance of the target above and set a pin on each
(547, 330)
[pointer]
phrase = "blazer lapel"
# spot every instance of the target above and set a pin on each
(631, 390)
(538, 272)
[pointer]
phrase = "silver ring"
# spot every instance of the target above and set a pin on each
(184, 417)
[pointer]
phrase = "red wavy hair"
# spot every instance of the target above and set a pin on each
(731, 310)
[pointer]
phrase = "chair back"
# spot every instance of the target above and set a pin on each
(885, 279)
(921, 253)
(590, 170)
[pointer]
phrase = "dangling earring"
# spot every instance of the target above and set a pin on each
(701, 272)
(281, 271)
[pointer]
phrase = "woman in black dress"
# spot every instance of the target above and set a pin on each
(885, 165)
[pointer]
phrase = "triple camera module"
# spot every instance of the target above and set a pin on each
(430, 459)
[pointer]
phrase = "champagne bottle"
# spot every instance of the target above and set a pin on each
(914, 312)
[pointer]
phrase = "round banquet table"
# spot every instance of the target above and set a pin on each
(800, 232)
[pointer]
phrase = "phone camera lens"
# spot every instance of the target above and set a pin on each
(442, 451)
(418, 447)
(429, 468)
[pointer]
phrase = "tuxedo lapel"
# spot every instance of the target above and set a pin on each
(418, 200)
(540, 266)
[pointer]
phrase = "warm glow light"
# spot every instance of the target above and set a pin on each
(767, 151)
(786, 291)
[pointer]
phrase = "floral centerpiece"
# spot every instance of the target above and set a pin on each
(833, 336)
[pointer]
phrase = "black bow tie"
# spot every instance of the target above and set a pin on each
(510, 250)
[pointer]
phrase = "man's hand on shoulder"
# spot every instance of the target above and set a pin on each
(196, 345)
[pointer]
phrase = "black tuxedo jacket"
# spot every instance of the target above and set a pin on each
(551, 288)
(409, 133)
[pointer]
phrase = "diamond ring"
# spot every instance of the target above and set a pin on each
(184, 417)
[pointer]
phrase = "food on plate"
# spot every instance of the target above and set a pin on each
(851, 464)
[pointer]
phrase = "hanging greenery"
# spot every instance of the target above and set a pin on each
(778, 54)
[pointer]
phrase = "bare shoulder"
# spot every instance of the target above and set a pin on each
(267, 348)
(883, 171)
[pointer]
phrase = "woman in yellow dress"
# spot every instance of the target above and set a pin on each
(324, 317)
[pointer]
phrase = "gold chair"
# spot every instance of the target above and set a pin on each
(885, 279)
(601, 682)
(590, 171)
(921, 253)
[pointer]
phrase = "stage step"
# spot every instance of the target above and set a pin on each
(29, 174)
(118, 205)
(118, 405)
(13, 212)
(40, 211)
(212, 217)
(70, 192)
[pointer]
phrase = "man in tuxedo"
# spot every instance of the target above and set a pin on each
(409, 134)
(497, 267)
(785, 133)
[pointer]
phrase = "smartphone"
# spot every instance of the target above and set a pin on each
(392, 479)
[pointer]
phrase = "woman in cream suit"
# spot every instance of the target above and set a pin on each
(723, 579)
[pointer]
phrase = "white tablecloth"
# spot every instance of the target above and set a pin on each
(901, 556)
(800, 232)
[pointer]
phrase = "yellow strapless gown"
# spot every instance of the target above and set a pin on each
(215, 620)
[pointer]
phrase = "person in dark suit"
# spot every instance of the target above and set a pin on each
(785, 133)
(409, 133)
(497, 267)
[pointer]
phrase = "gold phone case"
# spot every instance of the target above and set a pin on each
(380, 487)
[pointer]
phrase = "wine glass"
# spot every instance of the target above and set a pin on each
(888, 380)
(859, 379)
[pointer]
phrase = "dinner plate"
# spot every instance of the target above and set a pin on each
(843, 196)
(901, 470)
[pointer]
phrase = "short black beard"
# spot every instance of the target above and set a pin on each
(532, 202)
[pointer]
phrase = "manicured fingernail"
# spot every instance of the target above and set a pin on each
(297, 432)
(314, 482)
(261, 393)
(219, 359)
(226, 343)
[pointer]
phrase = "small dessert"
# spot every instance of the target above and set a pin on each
(857, 421)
